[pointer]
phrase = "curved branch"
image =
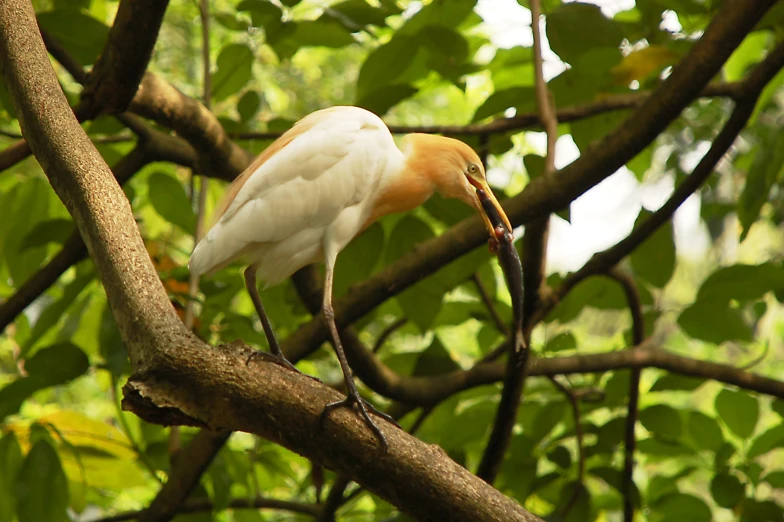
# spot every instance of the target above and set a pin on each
(549, 194)
(115, 77)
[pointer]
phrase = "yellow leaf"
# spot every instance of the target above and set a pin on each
(641, 64)
(81, 431)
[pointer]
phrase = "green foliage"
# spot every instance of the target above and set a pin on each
(430, 63)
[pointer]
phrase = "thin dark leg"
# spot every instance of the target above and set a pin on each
(353, 395)
(279, 358)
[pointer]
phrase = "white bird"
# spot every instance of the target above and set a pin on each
(316, 188)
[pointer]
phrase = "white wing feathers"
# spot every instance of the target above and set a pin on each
(300, 191)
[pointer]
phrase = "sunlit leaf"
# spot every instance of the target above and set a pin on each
(762, 176)
(10, 463)
(83, 36)
(168, 198)
(642, 63)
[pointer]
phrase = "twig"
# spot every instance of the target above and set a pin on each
(201, 505)
(488, 301)
(630, 441)
(388, 331)
(578, 432)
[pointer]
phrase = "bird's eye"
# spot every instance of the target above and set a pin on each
(472, 168)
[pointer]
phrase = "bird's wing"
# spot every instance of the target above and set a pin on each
(335, 163)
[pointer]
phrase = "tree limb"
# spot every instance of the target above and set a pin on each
(180, 380)
(542, 196)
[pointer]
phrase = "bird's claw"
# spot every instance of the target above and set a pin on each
(362, 407)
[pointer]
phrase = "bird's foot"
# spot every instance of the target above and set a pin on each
(271, 357)
(362, 408)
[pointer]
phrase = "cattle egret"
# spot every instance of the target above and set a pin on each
(314, 189)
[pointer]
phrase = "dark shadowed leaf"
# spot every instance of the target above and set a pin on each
(383, 99)
(562, 341)
(742, 282)
(739, 411)
(681, 506)
(704, 431)
(385, 64)
(775, 479)
(248, 105)
(262, 12)
(42, 489)
(727, 490)
(762, 175)
(449, 14)
(57, 364)
(435, 360)
(10, 463)
(324, 32)
(662, 420)
(675, 382)
(355, 14)
(755, 510)
(654, 260)
(235, 64)
(576, 28)
(51, 231)
(358, 258)
(169, 200)
(715, 321)
(767, 441)
(520, 98)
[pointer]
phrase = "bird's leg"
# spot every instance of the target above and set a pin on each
(277, 354)
(353, 395)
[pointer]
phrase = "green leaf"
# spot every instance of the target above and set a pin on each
(778, 407)
(562, 341)
(447, 50)
(575, 28)
(51, 231)
(10, 463)
(715, 322)
(675, 382)
(262, 12)
(560, 456)
(654, 260)
(754, 511)
(421, 302)
(663, 421)
(681, 506)
(383, 99)
(546, 419)
(385, 64)
(742, 282)
(323, 32)
(727, 490)
(739, 411)
(359, 258)
(248, 105)
(767, 441)
(588, 131)
(82, 36)
(42, 489)
(235, 64)
(435, 360)
(448, 14)
(169, 200)
(661, 448)
(356, 14)
(57, 364)
(704, 431)
(761, 178)
(520, 98)
(230, 21)
(775, 479)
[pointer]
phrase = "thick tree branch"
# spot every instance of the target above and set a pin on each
(116, 75)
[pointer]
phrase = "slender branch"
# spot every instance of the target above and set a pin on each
(748, 94)
(187, 469)
(202, 505)
(334, 499)
(388, 331)
(522, 121)
(630, 441)
(574, 401)
(490, 305)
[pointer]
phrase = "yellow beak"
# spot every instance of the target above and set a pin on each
(482, 184)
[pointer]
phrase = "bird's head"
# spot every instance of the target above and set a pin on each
(454, 169)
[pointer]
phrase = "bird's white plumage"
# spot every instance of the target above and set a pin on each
(316, 192)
